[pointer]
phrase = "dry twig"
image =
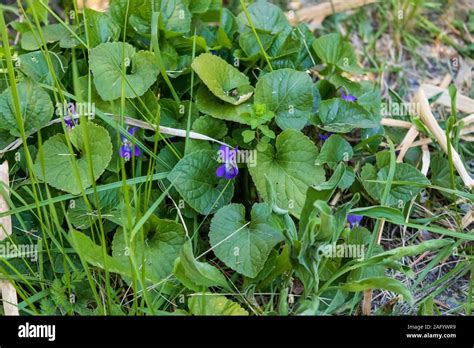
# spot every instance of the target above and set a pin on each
(315, 15)
(10, 302)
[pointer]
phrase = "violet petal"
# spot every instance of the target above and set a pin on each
(220, 172)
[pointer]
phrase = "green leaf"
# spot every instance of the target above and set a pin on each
(199, 6)
(241, 246)
(250, 46)
(291, 168)
(368, 95)
(208, 104)
(58, 166)
(305, 55)
(160, 251)
(35, 66)
(248, 135)
(5, 138)
(40, 8)
(210, 126)
(286, 42)
(379, 212)
(82, 216)
(407, 183)
(93, 254)
(106, 63)
(342, 116)
(289, 94)
(334, 50)
(347, 179)
(176, 17)
(194, 274)
(194, 177)
(392, 255)
(175, 115)
(440, 174)
(266, 131)
(384, 283)
(36, 108)
(102, 27)
(320, 192)
(334, 150)
(51, 33)
(223, 80)
(374, 266)
(213, 304)
(265, 17)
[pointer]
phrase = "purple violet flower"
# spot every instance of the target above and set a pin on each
(71, 122)
(348, 97)
(229, 168)
(324, 137)
(127, 148)
(353, 220)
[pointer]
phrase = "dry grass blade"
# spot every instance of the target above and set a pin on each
(430, 122)
(407, 142)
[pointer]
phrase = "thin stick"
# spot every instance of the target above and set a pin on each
(467, 219)
(390, 122)
(10, 302)
(468, 120)
(430, 122)
(407, 142)
(367, 303)
(315, 15)
(426, 159)
(446, 81)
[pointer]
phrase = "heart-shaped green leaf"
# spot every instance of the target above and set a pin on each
(210, 126)
(50, 33)
(208, 104)
(159, 252)
(35, 66)
(342, 116)
(291, 168)
(176, 17)
(334, 50)
(56, 166)
(194, 177)
(82, 215)
(35, 106)
(407, 182)
(265, 17)
(243, 246)
(108, 61)
(102, 27)
(93, 254)
(223, 80)
(289, 94)
(334, 150)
